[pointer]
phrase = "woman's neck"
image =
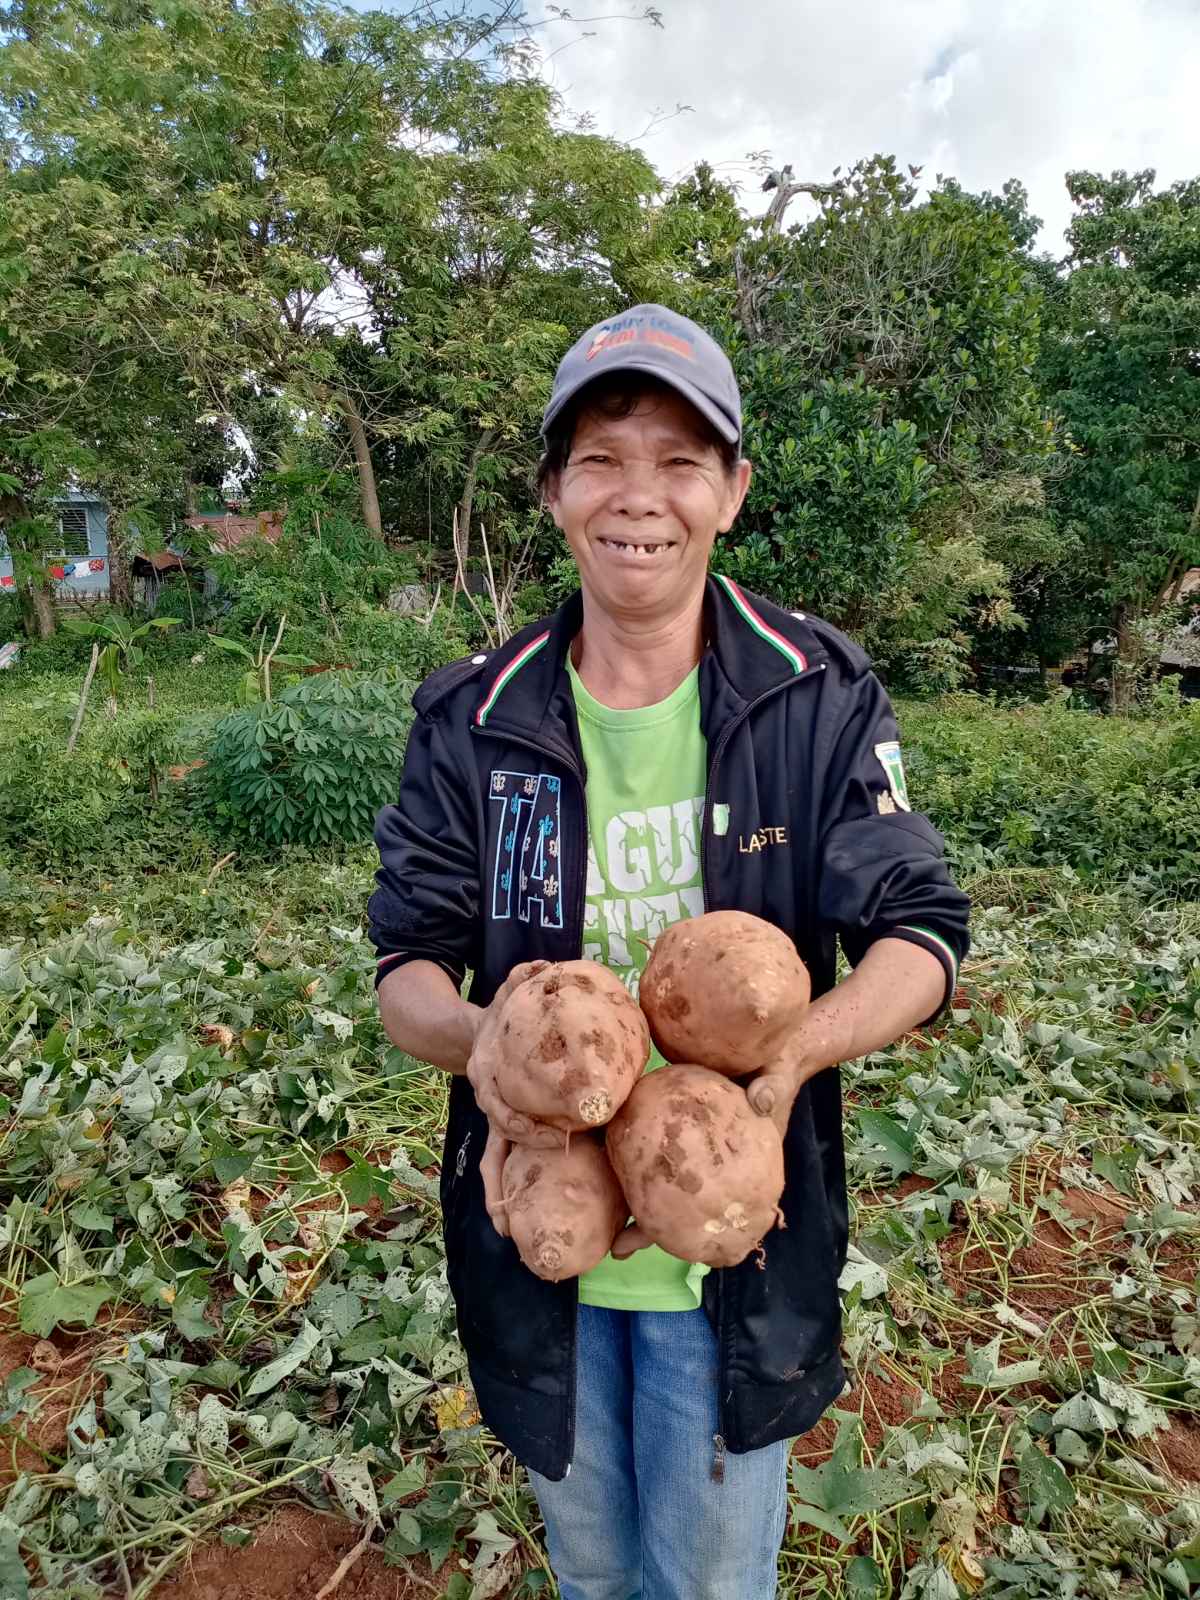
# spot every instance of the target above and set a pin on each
(627, 664)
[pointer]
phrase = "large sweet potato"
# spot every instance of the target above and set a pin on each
(723, 990)
(572, 1044)
(564, 1207)
(701, 1171)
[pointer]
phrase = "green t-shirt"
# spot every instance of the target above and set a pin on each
(645, 797)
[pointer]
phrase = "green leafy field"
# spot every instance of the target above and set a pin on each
(222, 1281)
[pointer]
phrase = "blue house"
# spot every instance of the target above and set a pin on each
(78, 555)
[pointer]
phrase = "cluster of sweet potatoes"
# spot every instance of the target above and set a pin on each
(681, 1150)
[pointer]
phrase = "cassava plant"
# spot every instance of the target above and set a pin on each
(314, 765)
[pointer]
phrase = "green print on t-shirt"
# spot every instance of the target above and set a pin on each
(644, 877)
(645, 799)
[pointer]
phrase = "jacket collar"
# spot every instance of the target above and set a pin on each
(753, 647)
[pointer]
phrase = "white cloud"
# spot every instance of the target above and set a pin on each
(982, 90)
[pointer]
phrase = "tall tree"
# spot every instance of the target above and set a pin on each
(220, 168)
(1122, 364)
(259, 187)
(886, 351)
(532, 230)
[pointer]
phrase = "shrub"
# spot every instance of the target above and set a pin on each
(96, 804)
(325, 564)
(1048, 786)
(383, 641)
(315, 765)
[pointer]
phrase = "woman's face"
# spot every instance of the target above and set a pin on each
(640, 501)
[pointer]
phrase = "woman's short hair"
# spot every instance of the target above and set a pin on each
(614, 397)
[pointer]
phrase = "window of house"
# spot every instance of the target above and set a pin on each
(72, 522)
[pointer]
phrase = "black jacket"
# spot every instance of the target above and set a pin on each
(802, 826)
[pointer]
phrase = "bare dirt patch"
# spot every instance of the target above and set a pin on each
(1178, 1448)
(882, 1399)
(293, 1554)
(911, 1184)
(67, 1380)
(1058, 1270)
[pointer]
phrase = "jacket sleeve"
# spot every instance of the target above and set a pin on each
(883, 873)
(426, 902)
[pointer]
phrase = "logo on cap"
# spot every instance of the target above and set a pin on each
(635, 329)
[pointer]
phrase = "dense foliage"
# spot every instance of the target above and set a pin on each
(314, 765)
(965, 452)
(1120, 362)
(223, 1267)
(886, 350)
(1049, 786)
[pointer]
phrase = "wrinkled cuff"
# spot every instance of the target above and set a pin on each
(391, 959)
(927, 939)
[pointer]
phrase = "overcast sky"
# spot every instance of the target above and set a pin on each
(982, 90)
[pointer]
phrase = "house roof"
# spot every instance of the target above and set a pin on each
(227, 532)
(158, 561)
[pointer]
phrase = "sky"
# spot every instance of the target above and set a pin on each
(981, 90)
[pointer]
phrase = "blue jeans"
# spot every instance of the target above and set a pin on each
(642, 1514)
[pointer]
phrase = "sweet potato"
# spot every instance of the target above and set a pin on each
(565, 1207)
(723, 990)
(701, 1171)
(572, 1044)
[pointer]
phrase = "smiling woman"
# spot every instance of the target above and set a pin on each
(578, 792)
(641, 483)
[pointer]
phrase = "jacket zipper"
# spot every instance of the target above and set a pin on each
(722, 1433)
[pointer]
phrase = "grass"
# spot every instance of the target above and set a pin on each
(221, 1283)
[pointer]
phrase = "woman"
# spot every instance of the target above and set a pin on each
(662, 745)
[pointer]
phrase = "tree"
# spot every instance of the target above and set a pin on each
(531, 232)
(257, 191)
(886, 354)
(218, 170)
(1122, 365)
(80, 390)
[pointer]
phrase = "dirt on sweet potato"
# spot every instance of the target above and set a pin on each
(723, 991)
(572, 1044)
(565, 1207)
(701, 1171)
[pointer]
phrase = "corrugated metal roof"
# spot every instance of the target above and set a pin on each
(160, 561)
(227, 532)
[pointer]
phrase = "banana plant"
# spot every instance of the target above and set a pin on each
(122, 647)
(256, 681)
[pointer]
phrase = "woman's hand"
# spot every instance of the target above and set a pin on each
(894, 988)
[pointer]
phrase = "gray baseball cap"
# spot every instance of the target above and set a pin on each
(663, 344)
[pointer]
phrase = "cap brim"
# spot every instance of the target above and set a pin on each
(706, 407)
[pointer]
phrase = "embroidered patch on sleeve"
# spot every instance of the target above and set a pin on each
(888, 756)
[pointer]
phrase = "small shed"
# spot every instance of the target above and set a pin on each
(78, 556)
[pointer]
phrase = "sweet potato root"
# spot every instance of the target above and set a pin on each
(701, 1171)
(565, 1207)
(723, 991)
(572, 1044)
